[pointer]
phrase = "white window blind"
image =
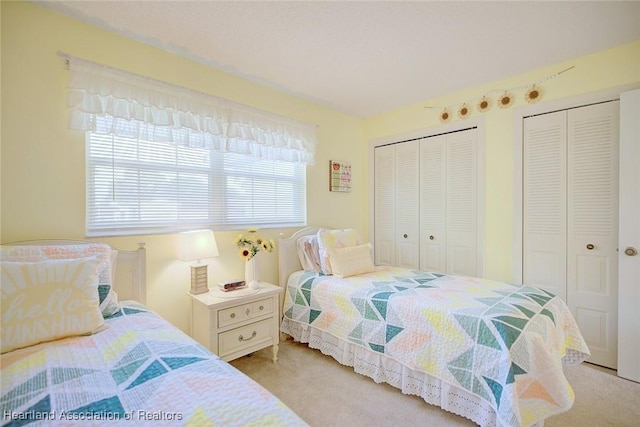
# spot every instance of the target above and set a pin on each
(136, 186)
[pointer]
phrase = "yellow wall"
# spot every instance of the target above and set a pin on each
(43, 163)
(615, 67)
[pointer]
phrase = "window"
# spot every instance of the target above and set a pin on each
(135, 186)
(163, 158)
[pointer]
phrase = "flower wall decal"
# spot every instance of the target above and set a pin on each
(445, 115)
(464, 111)
(506, 100)
(484, 104)
(533, 95)
(251, 244)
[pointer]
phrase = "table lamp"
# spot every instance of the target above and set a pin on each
(197, 245)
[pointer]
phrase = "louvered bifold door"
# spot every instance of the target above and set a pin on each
(462, 203)
(407, 199)
(384, 202)
(544, 202)
(433, 180)
(592, 211)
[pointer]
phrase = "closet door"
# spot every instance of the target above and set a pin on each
(592, 228)
(570, 217)
(433, 181)
(407, 204)
(544, 198)
(384, 205)
(462, 203)
(426, 204)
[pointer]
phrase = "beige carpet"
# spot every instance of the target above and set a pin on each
(325, 393)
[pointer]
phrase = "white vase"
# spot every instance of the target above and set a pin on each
(251, 273)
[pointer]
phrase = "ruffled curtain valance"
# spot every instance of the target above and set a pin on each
(106, 100)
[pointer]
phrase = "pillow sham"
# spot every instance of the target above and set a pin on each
(335, 239)
(48, 300)
(31, 253)
(351, 260)
(308, 253)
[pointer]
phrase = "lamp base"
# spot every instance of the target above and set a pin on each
(199, 280)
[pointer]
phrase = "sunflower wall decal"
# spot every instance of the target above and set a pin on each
(506, 100)
(533, 94)
(484, 104)
(464, 111)
(445, 115)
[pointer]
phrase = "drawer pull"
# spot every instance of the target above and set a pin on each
(233, 315)
(253, 335)
(247, 312)
(261, 307)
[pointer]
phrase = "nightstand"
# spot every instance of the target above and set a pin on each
(235, 323)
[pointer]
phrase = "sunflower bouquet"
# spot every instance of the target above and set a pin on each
(250, 244)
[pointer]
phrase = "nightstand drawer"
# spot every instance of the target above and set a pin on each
(245, 336)
(234, 315)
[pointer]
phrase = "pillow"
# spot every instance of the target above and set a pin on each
(308, 253)
(334, 239)
(351, 260)
(48, 300)
(27, 253)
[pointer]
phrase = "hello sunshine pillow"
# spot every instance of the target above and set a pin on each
(48, 300)
(106, 273)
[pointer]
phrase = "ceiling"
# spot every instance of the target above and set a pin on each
(368, 57)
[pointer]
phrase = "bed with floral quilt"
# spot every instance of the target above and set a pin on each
(486, 350)
(65, 362)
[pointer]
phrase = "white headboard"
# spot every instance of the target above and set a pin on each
(131, 277)
(288, 259)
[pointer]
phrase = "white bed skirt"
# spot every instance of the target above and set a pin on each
(381, 368)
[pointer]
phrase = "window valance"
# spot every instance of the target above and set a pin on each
(140, 107)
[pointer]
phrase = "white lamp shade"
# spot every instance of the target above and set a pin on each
(196, 245)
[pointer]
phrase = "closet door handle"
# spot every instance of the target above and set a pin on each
(631, 251)
(590, 246)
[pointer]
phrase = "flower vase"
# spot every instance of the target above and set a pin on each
(251, 273)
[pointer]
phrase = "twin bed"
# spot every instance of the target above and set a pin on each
(116, 362)
(486, 350)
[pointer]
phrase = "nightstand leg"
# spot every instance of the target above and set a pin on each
(275, 353)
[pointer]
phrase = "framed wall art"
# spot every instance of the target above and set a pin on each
(339, 176)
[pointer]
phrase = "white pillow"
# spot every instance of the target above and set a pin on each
(351, 260)
(48, 300)
(335, 239)
(307, 247)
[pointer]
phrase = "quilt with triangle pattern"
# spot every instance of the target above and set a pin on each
(139, 371)
(501, 342)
